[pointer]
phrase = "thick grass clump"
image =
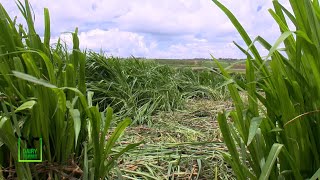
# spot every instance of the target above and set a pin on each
(281, 139)
(43, 95)
(140, 88)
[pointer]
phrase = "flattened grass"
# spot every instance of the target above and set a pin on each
(141, 88)
(180, 144)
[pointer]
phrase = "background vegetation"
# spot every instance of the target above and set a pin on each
(140, 88)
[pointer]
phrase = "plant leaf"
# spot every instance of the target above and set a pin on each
(272, 157)
(283, 37)
(254, 125)
(26, 105)
(33, 79)
(3, 119)
(116, 134)
(75, 114)
(316, 175)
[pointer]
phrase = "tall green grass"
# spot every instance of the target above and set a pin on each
(43, 94)
(140, 88)
(281, 139)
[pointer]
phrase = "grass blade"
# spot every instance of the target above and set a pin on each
(269, 165)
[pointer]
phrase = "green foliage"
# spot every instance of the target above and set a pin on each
(43, 94)
(281, 139)
(140, 88)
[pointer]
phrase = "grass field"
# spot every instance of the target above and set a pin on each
(235, 65)
(140, 88)
(112, 118)
(182, 140)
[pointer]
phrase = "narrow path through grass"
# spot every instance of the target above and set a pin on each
(183, 144)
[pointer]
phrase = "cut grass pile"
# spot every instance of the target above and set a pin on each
(181, 145)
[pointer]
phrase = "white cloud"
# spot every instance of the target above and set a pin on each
(118, 43)
(168, 29)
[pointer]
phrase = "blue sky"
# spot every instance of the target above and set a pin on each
(155, 29)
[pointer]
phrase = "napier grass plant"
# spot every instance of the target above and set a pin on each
(139, 88)
(281, 140)
(43, 94)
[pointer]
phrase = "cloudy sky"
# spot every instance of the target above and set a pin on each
(155, 29)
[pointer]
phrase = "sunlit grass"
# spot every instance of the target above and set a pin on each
(43, 94)
(141, 88)
(283, 140)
